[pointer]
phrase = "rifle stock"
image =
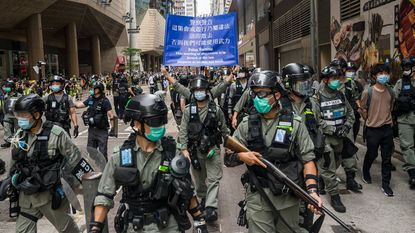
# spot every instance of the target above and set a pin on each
(234, 145)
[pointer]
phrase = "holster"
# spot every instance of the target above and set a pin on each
(193, 157)
(120, 220)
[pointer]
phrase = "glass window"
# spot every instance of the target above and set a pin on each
(249, 15)
(262, 9)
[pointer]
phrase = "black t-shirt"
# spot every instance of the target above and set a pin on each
(106, 105)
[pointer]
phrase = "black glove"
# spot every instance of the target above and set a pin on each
(342, 131)
(112, 132)
(200, 225)
(97, 226)
(75, 131)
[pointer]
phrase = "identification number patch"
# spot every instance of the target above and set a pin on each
(126, 158)
(81, 168)
(280, 135)
(54, 104)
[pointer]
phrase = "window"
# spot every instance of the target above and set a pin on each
(262, 9)
(349, 9)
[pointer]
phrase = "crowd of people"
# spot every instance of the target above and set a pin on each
(303, 122)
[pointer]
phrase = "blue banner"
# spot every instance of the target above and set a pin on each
(200, 41)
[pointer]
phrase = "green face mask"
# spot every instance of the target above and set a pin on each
(262, 105)
(156, 133)
(91, 92)
(334, 85)
(7, 89)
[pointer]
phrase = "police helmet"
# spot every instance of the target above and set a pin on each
(329, 71)
(184, 79)
(351, 66)
(146, 108)
(99, 86)
(10, 84)
(297, 78)
(4, 188)
(199, 82)
(308, 69)
(407, 62)
(8, 105)
(57, 78)
(29, 103)
(339, 63)
(265, 79)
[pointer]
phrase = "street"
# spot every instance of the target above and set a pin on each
(370, 211)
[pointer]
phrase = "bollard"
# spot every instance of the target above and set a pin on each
(90, 182)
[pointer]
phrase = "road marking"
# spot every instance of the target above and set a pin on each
(83, 132)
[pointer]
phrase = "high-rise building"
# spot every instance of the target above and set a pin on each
(184, 7)
(218, 7)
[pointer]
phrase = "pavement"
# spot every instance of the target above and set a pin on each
(369, 211)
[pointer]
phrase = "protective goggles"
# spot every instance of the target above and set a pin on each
(261, 94)
(156, 121)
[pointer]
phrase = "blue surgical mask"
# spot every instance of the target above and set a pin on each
(24, 123)
(262, 105)
(156, 133)
(55, 88)
(382, 79)
(200, 95)
(334, 84)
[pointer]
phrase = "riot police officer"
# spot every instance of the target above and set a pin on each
(116, 93)
(405, 107)
(60, 108)
(123, 92)
(202, 128)
(335, 117)
(96, 117)
(156, 190)
(10, 122)
(271, 132)
(236, 90)
(38, 153)
(178, 103)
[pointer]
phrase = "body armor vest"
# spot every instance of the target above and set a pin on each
(349, 95)
(38, 172)
(94, 115)
(406, 99)
(333, 110)
(58, 112)
(280, 152)
(204, 135)
(316, 135)
(239, 90)
(123, 89)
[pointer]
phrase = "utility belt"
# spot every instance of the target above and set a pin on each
(95, 120)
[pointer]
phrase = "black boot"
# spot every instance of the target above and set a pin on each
(5, 145)
(202, 204)
(337, 204)
(2, 167)
(411, 178)
(211, 214)
(321, 186)
(351, 183)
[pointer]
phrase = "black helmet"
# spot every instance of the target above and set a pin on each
(199, 82)
(8, 105)
(308, 69)
(57, 78)
(29, 103)
(329, 71)
(10, 84)
(297, 77)
(100, 87)
(146, 108)
(267, 79)
(351, 66)
(407, 62)
(184, 80)
(339, 63)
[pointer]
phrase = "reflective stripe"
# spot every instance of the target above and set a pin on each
(334, 122)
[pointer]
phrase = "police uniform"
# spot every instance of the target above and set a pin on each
(58, 109)
(9, 121)
(333, 111)
(116, 95)
(216, 90)
(97, 119)
(405, 91)
(48, 148)
(123, 96)
(204, 126)
(276, 141)
(244, 104)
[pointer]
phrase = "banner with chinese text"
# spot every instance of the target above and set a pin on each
(200, 41)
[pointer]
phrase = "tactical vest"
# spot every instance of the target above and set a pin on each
(37, 172)
(280, 152)
(239, 90)
(94, 115)
(123, 89)
(349, 94)
(115, 85)
(204, 135)
(58, 112)
(406, 99)
(316, 135)
(333, 110)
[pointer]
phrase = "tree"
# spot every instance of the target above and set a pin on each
(130, 53)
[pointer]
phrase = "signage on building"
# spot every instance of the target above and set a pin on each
(200, 41)
(375, 3)
(396, 27)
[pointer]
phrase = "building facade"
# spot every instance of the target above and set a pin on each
(184, 7)
(71, 36)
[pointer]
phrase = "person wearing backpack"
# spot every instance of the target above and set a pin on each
(405, 107)
(376, 107)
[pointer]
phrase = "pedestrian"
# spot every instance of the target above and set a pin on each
(156, 195)
(335, 117)
(270, 207)
(202, 128)
(377, 104)
(405, 107)
(39, 151)
(96, 118)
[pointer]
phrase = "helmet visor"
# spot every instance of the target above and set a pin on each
(303, 88)
(156, 121)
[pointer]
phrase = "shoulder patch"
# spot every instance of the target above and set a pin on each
(57, 130)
